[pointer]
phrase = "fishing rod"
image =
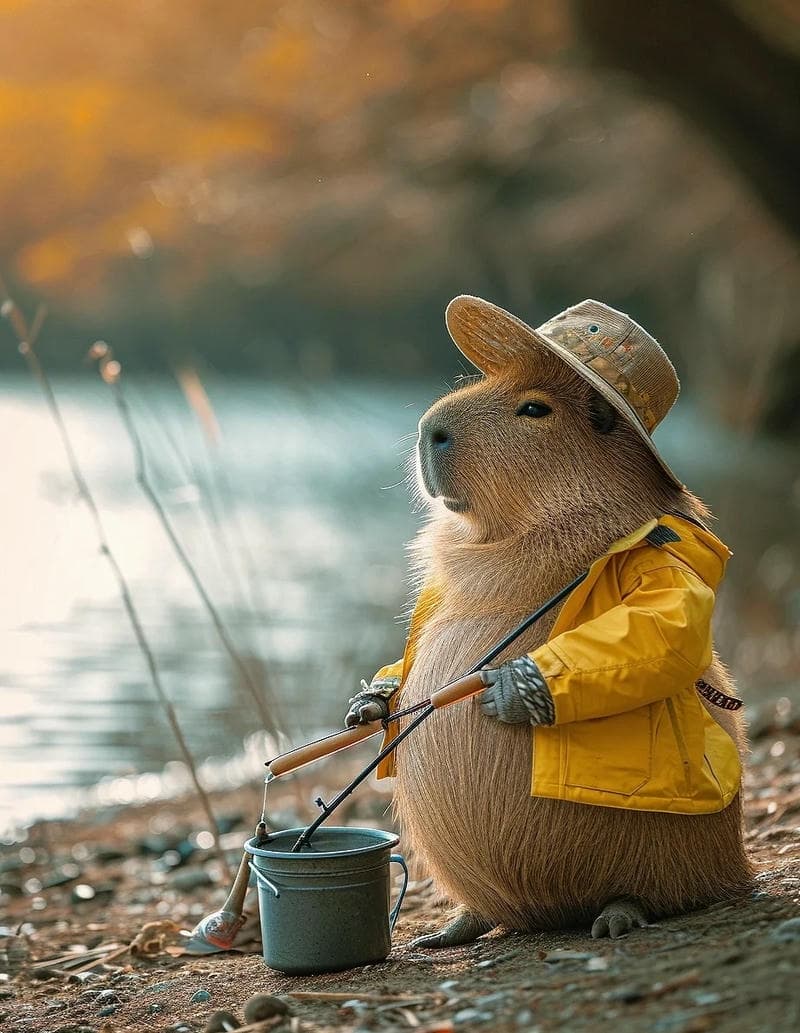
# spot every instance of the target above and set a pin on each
(468, 685)
(217, 931)
(341, 740)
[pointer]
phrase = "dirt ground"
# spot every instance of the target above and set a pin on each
(92, 884)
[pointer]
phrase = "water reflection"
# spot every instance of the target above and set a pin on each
(301, 547)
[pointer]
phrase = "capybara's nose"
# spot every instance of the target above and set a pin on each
(435, 444)
(440, 438)
(435, 436)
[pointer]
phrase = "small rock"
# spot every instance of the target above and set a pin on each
(706, 999)
(108, 997)
(187, 879)
(263, 1006)
(472, 1015)
(673, 1023)
(786, 932)
(524, 1018)
(200, 997)
(565, 955)
(60, 876)
(496, 998)
(625, 994)
(106, 854)
(45, 973)
(109, 1010)
(154, 1009)
(222, 1022)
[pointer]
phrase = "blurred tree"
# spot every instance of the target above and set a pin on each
(286, 187)
(733, 66)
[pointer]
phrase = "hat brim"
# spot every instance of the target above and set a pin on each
(491, 339)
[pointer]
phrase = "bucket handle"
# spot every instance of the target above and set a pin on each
(398, 859)
(264, 881)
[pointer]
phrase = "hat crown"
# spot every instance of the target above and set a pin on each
(622, 353)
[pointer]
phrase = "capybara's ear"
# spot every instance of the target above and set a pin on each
(602, 414)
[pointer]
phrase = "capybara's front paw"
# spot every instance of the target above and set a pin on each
(464, 928)
(618, 918)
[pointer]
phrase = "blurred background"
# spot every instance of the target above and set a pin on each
(264, 209)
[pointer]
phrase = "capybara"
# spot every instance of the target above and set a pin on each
(530, 474)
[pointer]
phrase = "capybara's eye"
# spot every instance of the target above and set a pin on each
(534, 409)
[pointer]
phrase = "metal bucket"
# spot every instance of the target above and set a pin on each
(327, 906)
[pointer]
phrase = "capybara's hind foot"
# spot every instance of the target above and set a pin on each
(464, 928)
(618, 918)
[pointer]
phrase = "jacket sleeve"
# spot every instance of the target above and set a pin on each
(387, 681)
(653, 644)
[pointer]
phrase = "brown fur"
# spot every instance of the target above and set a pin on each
(544, 497)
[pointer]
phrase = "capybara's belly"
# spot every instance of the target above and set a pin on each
(463, 797)
(463, 781)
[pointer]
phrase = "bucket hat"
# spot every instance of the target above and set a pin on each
(619, 358)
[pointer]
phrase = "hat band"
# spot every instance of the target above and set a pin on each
(638, 400)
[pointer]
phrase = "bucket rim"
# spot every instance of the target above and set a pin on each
(383, 839)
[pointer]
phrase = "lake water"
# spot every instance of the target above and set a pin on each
(296, 521)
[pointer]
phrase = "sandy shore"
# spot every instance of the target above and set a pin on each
(92, 884)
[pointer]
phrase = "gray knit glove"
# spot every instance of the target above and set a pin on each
(518, 694)
(372, 702)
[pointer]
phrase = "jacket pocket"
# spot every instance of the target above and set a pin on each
(613, 754)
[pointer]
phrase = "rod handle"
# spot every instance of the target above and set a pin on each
(322, 748)
(469, 685)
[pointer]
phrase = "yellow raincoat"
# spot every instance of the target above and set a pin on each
(621, 663)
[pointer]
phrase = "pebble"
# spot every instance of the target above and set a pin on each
(60, 876)
(108, 1010)
(264, 1006)
(106, 854)
(222, 1022)
(499, 997)
(108, 997)
(154, 1009)
(472, 1015)
(566, 955)
(188, 879)
(200, 997)
(786, 932)
(706, 999)
(625, 994)
(673, 1023)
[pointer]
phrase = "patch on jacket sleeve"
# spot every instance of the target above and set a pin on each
(661, 535)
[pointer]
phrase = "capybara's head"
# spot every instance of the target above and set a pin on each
(536, 445)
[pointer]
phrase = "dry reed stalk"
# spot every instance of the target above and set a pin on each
(111, 372)
(207, 505)
(27, 335)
